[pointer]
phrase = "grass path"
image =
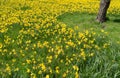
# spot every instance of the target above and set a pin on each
(85, 21)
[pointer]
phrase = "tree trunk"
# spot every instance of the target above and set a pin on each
(104, 5)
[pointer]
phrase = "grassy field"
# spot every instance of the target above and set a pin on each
(58, 39)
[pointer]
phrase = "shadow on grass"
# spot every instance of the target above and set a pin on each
(116, 20)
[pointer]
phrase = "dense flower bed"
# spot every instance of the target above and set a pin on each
(34, 44)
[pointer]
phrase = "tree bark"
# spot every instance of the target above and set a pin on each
(104, 5)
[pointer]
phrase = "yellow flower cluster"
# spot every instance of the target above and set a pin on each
(34, 44)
